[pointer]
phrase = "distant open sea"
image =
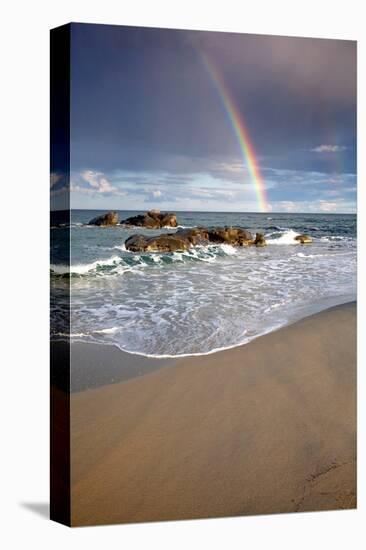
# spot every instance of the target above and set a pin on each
(207, 298)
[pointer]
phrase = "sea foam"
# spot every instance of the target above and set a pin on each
(288, 237)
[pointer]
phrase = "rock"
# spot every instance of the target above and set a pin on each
(168, 220)
(154, 219)
(110, 218)
(259, 240)
(161, 243)
(304, 239)
(184, 239)
(194, 236)
(235, 236)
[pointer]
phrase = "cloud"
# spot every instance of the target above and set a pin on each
(93, 183)
(301, 66)
(328, 149)
(284, 206)
(98, 182)
(339, 206)
(309, 182)
(162, 110)
(219, 188)
(217, 194)
(325, 206)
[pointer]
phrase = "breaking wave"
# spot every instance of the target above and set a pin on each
(282, 237)
(132, 262)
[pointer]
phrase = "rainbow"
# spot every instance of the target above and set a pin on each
(240, 131)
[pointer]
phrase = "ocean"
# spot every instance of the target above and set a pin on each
(205, 299)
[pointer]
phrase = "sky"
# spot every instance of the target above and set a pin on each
(157, 116)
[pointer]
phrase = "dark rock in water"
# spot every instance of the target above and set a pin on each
(154, 219)
(168, 219)
(235, 236)
(160, 243)
(259, 240)
(110, 218)
(194, 236)
(184, 239)
(304, 239)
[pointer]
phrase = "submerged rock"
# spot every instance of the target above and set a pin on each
(304, 239)
(110, 218)
(184, 239)
(154, 219)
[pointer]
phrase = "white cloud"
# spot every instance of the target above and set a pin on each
(328, 148)
(339, 206)
(326, 206)
(236, 167)
(286, 206)
(98, 182)
(75, 188)
(306, 191)
(214, 193)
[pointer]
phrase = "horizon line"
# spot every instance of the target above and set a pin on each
(203, 211)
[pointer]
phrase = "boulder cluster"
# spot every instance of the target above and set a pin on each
(153, 219)
(183, 239)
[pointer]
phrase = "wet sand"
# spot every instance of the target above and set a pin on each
(94, 365)
(267, 427)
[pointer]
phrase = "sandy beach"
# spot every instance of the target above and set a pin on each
(268, 427)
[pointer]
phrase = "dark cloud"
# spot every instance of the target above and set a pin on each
(143, 103)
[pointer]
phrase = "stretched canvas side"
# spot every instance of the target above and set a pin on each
(60, 505)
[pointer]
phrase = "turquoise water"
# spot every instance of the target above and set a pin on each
(207, 298)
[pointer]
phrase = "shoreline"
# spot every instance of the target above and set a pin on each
(267, 427)
(124, 365)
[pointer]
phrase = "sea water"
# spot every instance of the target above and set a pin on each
(207, 298)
